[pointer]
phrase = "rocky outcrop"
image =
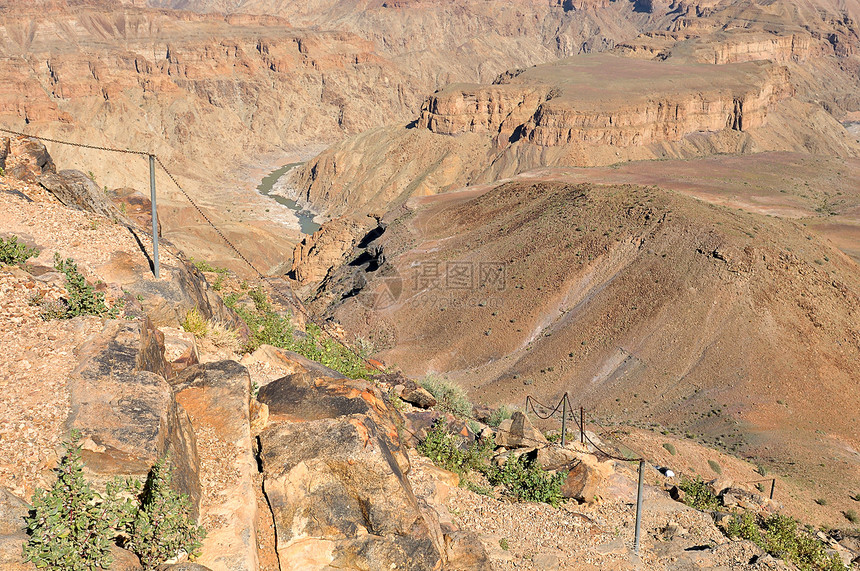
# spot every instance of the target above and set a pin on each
(136, 206)
(13, 528)
(335, 478)
(26, 159)
(166, 301)
(124, 408)
(327, 247)
(77, 190)
(217, 398)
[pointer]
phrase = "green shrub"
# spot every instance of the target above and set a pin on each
(163, 527)
(503, 543)
(521, 479)
(205, 266)
(528, 481)
(449, 396)
(268, 327)
(498, 415)
(444, 449)
(821, 501)
(851, 516)
(82, 298)
(781, 537)
(670, 448)
(698, 495)
(13, 252)
(715, 466)
(71, 526)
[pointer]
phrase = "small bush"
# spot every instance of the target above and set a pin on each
(715, 466)
(71, 526)
(780, 536)
(498, 415)
(13, 252)
(670, 448)
(268, 327)
(82, 298)
(528, 481)
(821, 502)
(449, 396)
(855, 497)
(698, 495)
(195, 323)
(205, 266)
(521, 479)
(163, 527)
(503, 543)
(852, 516)
(444, 449)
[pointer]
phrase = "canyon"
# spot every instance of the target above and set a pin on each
(652, 206)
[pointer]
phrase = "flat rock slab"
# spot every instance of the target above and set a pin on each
(297, 398)
(217, 397)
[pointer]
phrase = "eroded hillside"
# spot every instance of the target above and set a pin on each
(648, 305)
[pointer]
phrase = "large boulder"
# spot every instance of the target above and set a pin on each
(76, 190)
(518, 432)
(335, 478)
(181, 288)
(13, 510)
(585, 478)
(27, 159)
(217, 397)
(136, 206)
(284, 363)
(125, 409)
(340, 499)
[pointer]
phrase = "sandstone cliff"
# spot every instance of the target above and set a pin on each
(588, 110)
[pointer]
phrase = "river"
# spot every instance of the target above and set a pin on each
(305, 218)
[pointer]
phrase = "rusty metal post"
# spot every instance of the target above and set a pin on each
(564, 420)
(155, 268)
(639, 507)
(581, 425)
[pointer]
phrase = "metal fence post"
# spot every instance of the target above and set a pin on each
(639, 507)
(581, 425)
(772, 486)
(564, 421)
(155, 268)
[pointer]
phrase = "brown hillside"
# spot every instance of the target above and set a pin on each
(646, 305)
